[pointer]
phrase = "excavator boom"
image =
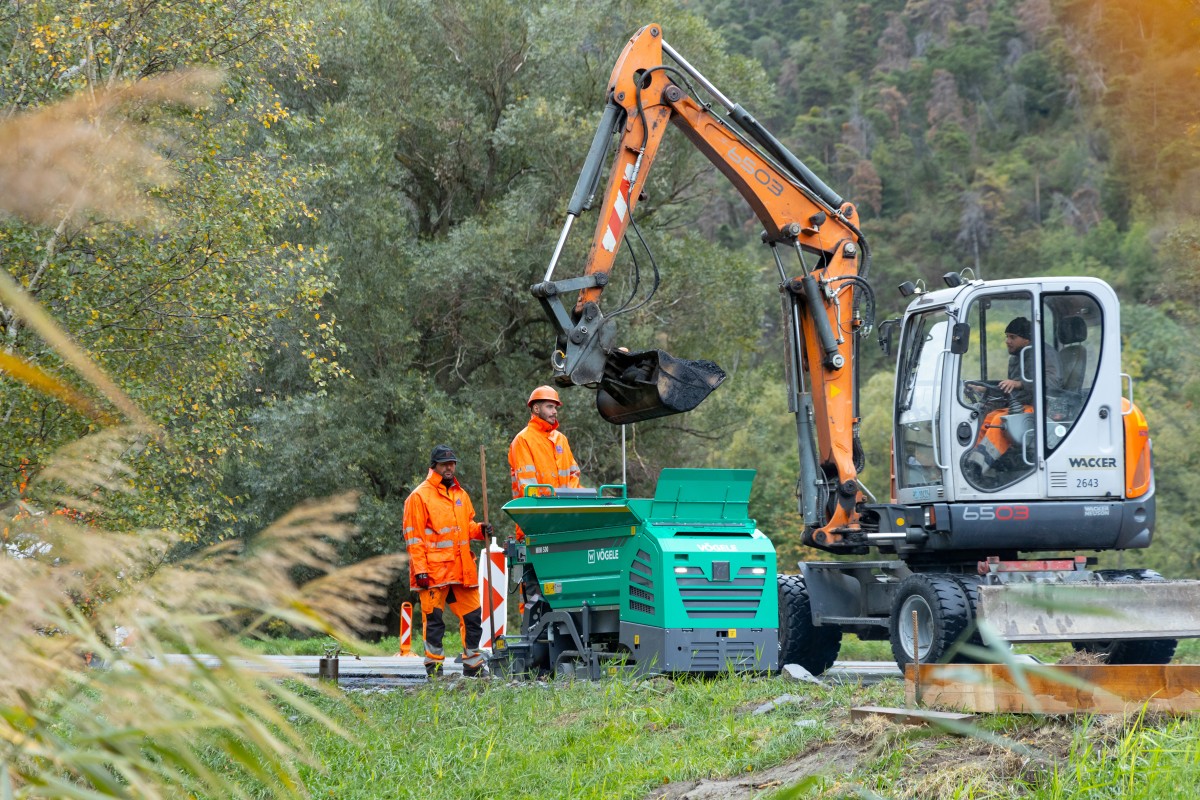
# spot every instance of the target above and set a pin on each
(800, 215)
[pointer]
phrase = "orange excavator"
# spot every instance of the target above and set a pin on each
(1014, 429)
(801, 215)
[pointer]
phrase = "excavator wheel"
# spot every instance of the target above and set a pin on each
(943, 615)
(1131, 651)
(970, 586)
(800, 642)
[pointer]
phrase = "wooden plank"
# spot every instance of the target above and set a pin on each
(909, 716)
(1059, 689)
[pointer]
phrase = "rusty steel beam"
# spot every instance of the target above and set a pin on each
(1059, 689)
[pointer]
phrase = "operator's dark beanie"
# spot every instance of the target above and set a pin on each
(1021, 327)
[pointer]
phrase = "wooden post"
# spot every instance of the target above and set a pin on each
(916, 659)
(487, 551)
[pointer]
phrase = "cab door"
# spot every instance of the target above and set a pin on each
(1084, 448)
(995, 432)
(920, 466)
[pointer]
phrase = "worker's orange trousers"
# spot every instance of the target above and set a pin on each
(464, 602)
(995, 442)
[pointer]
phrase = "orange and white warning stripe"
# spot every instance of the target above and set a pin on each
(405, 629)
(493, 597)
(616, 217)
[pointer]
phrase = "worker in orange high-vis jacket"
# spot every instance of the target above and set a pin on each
(541, 454)
(439, 524)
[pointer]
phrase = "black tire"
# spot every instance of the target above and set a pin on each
(800, 642)
(507, 663)
(970, 587)
(1131, 651)
(943, 614)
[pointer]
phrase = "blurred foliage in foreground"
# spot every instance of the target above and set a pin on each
(89, 706)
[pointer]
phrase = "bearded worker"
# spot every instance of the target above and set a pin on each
(540, 454)
(439, 524)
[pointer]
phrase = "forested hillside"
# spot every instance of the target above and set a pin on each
(361, 212)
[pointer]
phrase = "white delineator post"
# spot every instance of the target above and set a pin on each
(405, 629)
(493, 594)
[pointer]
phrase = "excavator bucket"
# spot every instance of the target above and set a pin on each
(651, 383)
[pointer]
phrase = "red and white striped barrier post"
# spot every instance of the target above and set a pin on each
(493, 594)
(405, 629)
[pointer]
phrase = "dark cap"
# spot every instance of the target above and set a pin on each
(1021, 327)
(441, 453)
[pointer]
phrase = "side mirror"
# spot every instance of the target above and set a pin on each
(887, 332)
(960, 338)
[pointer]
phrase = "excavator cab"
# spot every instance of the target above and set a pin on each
(1010, 403)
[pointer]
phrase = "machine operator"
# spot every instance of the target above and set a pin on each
(995, 456)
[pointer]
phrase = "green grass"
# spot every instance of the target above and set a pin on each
(614, 739)
(1142, 760)
(623, 738)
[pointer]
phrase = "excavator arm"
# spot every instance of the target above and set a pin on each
(800, 215)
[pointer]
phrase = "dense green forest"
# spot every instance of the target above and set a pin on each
(359, 214)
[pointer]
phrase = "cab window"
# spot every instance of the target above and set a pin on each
(921, 357)
(998, 380)
(1073, 325)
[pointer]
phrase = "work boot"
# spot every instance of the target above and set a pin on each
(433, 670)
(472, 672)
(977, 459)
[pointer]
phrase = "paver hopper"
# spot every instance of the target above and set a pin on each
(680, 583)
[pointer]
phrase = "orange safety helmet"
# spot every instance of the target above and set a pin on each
(543, 393)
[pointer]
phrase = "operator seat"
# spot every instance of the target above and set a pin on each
(1072, 355)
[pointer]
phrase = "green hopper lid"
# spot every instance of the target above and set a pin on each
(698, 495)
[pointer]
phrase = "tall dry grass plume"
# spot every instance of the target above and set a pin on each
(129, 723)
(80, 716)
(95, 152)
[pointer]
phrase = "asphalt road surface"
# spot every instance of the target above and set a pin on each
(387, 671)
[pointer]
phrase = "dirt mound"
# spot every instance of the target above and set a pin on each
(935, 763)
(828, 760)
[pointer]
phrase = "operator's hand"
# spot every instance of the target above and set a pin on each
(1008, 386)
(423, 580)
(485, 530)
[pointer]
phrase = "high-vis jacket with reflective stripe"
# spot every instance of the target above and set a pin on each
(438, 526)
(540, 454)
